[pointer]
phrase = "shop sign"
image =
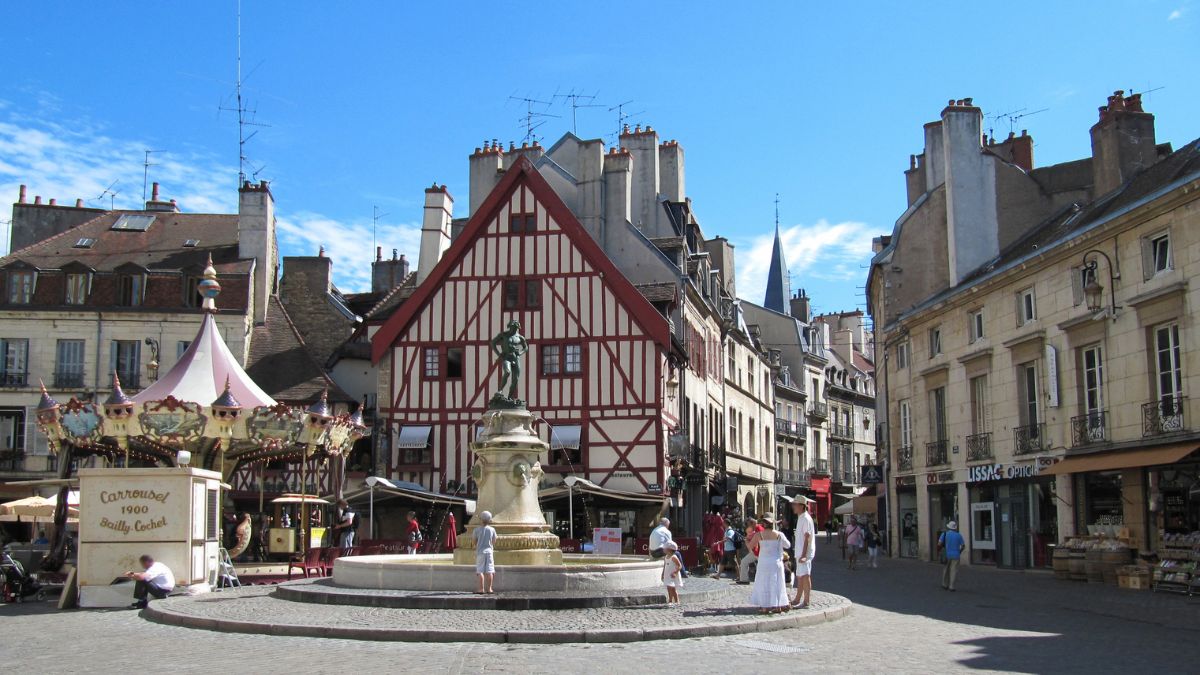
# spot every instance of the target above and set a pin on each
(939, 477)
(991, 472)
(872, 474)
(654, 487)
(1052, 376)
(906, 481)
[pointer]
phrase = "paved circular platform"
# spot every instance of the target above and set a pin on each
(261, 610)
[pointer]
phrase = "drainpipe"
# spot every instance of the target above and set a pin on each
(99, 331)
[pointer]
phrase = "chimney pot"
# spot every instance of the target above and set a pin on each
(79, 203)
(512, 145)
(393, 254)
(154, 191)
(21, 195)
(378, 253)
(524, 145)
(637, 129)
(53, 201)
(321, 252)
(37, 199)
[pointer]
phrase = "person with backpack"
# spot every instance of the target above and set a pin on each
(347, 525)
(412, 533)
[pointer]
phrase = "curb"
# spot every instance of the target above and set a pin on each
(752, 625)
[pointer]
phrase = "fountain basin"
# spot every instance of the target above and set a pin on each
(437, 572)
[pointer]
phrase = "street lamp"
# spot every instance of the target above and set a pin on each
(570, 482)
(1093, 291)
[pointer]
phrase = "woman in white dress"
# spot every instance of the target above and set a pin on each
(769, 593)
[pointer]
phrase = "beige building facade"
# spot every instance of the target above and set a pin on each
(1042, 392)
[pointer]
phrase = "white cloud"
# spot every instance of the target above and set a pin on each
(1175, 14)
(832, 252)
(68, 159)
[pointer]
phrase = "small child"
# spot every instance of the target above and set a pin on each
(671, 577)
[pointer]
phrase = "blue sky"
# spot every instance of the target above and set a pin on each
(369, 102)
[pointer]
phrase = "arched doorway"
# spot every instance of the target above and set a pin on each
(748, 510)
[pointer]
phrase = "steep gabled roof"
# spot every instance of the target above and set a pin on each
(282, 365)
(524, 173)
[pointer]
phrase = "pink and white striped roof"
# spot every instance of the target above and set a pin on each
(199, 376)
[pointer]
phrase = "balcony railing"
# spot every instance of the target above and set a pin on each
(130, 380)
(841, 431)
(1028, 439)
(12, 460)
(904, 458)
(1164, 416)
(935, 453)
(818, 409)
(821, 467)
(979, 446)
(794, 429)
(716, 458)
(12, 378)
(793, 477)
(68, 379)
(1089, 428)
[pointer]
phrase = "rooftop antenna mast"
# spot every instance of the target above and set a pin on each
(622, 118)
(110, 193)
(776, 211)
(1012, 116)
(528, 119)
(146, 164)
(241, 109)
(375, 216)
(577, 101)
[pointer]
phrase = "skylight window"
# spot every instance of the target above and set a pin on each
(85, 242)
(133, 223)
(191, 243)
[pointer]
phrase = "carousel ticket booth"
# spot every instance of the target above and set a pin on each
(172, 514)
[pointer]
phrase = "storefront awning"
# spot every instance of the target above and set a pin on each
(565, 437)
(587, 486)
(1127, 459)
(384, 488)
(413, 436)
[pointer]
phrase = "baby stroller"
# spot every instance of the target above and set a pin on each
(16, 584)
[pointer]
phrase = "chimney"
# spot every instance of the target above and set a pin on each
(79, 203)
(533, 152)
(435, 227)
(934, 164)
(1016, 150)
(914, 178)
(487, 166)
(1122, 143)
(156, 204)
(256, 239)
(972, 227)
(643, 147)
(387, 274)
(53, 202)
(618, 191)
(305, 278)
(670, 162)
(21, 195)
(801, 309)
(37, 199)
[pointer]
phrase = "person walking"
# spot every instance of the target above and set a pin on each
(753, 527)
(874, 540)
(672, 576)
(855, 536)
(806, 549)
(952, 543)
(770, 590)
(729, 551)
(412, 534)
(485, 563)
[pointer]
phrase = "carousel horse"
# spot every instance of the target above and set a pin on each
(244, 536)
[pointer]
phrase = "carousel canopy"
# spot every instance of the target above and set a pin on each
(201, 373)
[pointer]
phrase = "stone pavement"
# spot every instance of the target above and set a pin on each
(902, 622)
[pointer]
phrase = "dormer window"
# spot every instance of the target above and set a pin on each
(130, 222)
(78, 285)
(85, 242)
(191, 243)
(131, 289)
(21, 284)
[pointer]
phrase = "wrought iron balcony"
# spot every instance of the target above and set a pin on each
(1028, 439)
(904, 458)
(820, 467)
(1089, 428)
(935, 453)
(716, 458)
(818, 409)
(841, 431)
(13, 378)
(130, 380)
(793, 477)
(1164, 416)
(979, 446)
(792, 429)
(68, 379)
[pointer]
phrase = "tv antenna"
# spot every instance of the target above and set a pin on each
(1147, 91)
(622, 118)
(532, 119)
(245, 115)
(577, 101)
(1013, 116)
(146, 164)
(110, 193)
(375, 216)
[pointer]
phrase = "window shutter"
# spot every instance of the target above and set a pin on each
(1020, 308)
(1147, 258)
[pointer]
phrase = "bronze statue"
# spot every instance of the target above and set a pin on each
(510, 346)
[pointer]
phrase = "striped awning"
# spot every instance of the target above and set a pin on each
(413, 436)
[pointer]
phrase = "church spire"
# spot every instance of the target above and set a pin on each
(779, 289)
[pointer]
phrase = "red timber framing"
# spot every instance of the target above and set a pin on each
(617, 399)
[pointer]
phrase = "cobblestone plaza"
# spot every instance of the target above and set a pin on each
(902, 621)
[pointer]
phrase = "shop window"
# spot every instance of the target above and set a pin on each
(1104, 508)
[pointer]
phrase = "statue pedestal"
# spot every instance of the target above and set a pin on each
(507, 472)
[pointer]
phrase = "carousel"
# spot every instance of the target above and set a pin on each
(205, 412)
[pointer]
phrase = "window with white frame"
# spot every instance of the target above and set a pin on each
(975, 325)
(14, 362)
(21, 284)
(1093, 379)
(1167, 363)
(980, 412)
(1156, 254)
(77, 287)
(903, 354)
(935, 341)
(1026, 307)
(905, 424)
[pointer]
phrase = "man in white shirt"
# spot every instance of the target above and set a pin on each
(156, 580)
(806, 549)
(659, 537)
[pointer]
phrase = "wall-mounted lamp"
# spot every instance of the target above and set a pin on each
(1093, 291)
